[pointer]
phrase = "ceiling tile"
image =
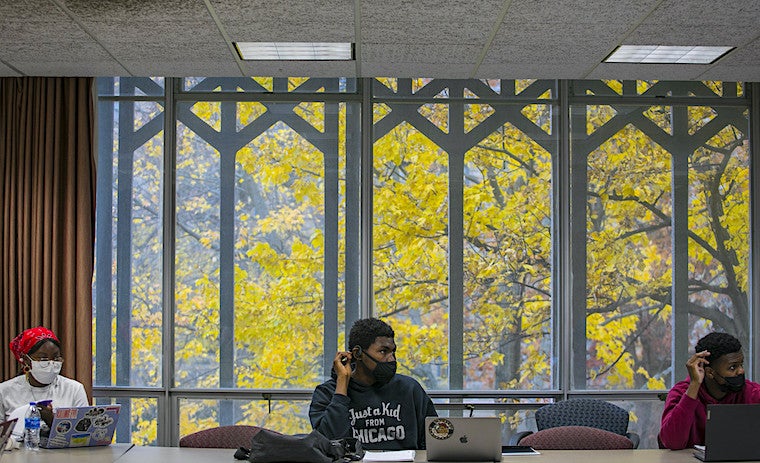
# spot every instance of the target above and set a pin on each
(175, 33)
(747, 55)
(58, 51)
(184, 68)
(5, 70)
(564, 35)
(29, 10)
(561, 54)
(175, 52)
(274, 12)
(419, 53)
(136, 10)
(598, 12)
(733, 73)
(521, 70)
(439, 70)
(656, 34)
(300, 68)
(292, 30)
(546, 39)
(647, 71)
(438, 11)
(693, 13)
(69, 68)
(49, 31)
(427, 32)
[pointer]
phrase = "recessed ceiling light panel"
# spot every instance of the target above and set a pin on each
(295, 51)
(666, 54)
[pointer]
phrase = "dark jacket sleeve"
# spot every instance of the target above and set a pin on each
(328, 412)
(426, 405)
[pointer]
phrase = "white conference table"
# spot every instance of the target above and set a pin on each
(126, 453)
(190, 455)
(105, 454)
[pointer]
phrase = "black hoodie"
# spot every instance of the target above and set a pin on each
(387, 417)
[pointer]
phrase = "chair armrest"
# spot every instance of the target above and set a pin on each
(634, 438)
(518, 436)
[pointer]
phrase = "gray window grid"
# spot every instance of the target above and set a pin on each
(565, 295)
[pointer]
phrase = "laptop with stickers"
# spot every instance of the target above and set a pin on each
(88, 426)
(730, 433)
(463, 439)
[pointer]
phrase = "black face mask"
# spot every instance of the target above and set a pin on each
(732, 383)
(384, 371)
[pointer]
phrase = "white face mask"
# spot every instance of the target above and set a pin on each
(45, 371)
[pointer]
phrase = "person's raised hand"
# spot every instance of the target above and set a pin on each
(342, 367)
(342, 364)
(696, 368)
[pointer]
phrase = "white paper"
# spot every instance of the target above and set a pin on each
(511, 450)
(20, 414)
(391, 455)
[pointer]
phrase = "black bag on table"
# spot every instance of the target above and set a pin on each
(269, 446)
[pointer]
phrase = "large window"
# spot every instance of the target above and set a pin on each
(462, 229)
(528, 240)
(666, 226)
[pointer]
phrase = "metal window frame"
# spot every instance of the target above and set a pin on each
(564, 261)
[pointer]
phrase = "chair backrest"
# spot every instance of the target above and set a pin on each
(223, 437)
(583, 412)
(576, 438)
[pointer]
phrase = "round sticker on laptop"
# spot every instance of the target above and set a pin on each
(441, 428)
(63, 427)
(99, 434)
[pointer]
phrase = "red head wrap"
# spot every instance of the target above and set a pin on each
(23, 343)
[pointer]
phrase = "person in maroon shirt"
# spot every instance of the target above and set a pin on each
(716, 376)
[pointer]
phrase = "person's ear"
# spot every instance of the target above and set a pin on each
(357, 352)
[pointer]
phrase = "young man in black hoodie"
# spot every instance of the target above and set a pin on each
(366, 399)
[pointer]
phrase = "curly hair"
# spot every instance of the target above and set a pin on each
(364, 332)
(718, 344)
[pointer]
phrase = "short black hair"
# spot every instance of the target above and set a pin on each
(364, 332)
(718, 344)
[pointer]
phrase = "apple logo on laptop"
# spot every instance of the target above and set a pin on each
(463, 439)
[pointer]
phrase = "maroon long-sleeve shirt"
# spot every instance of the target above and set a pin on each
(683, 419)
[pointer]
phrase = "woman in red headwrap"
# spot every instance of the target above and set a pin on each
(39, 353)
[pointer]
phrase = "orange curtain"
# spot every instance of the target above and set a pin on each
(47, 215)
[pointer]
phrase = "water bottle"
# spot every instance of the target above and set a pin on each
(32, 427)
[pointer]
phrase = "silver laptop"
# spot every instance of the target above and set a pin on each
(463, 439)
(731, 433)
(88, 426)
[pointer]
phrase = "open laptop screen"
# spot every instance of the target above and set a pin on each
(6, 428)
(731, 433)
(471, 439)
(82, 426)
